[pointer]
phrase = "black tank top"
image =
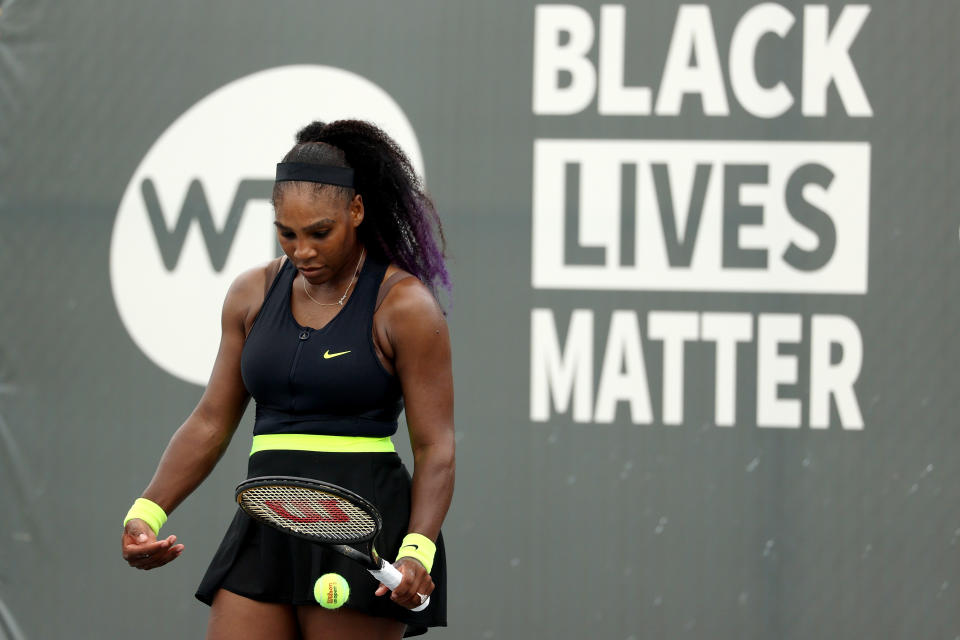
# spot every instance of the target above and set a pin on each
(325, 381)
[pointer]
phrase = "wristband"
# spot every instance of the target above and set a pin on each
(148, 511)
(419, 548)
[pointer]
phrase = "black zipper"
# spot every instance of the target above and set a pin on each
(302, 338)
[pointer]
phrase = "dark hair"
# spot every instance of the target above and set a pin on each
(400, 222)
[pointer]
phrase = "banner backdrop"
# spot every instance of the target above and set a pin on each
(704, 318)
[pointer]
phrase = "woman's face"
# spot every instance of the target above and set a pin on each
(318, 231)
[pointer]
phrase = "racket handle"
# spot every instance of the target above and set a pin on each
(391, 576)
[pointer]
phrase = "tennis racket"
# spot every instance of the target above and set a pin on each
(322, 513)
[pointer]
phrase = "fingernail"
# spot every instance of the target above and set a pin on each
(142, 537)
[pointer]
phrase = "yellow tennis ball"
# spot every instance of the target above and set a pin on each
(331, 590)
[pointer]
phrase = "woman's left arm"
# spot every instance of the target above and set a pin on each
(416, 332)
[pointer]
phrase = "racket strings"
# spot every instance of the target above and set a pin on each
(310, 512)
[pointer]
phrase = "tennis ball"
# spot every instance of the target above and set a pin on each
(331, 590)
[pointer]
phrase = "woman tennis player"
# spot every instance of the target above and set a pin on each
(332, 340)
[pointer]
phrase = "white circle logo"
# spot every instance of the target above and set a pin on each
(197, 213)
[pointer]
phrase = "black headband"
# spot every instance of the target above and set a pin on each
(309, 172)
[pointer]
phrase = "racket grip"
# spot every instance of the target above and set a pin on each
(391, 576)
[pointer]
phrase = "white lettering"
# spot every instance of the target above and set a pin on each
(674, 329)
(667, 231)
(624, 374)
(726, 330)
(826, 57)
(692, 37)
(561, 376)
(755, 23)
(775, 369)
(562, 380)
(550, 58)
(565, 79)
(615, 99)
(834, 380)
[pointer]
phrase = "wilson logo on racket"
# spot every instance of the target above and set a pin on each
(306, 511)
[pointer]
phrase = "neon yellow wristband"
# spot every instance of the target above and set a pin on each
(419, 548)
(148, 511)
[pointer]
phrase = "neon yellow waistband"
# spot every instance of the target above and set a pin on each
(311, 442)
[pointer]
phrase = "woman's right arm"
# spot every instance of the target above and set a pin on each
(197, 445)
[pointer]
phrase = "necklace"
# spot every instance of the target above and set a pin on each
(344, 296)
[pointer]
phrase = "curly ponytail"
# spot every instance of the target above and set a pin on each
(400, 223)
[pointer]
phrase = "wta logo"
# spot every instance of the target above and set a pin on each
(197, 212)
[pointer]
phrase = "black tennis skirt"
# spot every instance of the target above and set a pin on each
(258, 562)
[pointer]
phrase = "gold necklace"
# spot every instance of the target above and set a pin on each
(349, 284)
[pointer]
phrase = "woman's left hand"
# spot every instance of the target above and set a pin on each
(416, 581)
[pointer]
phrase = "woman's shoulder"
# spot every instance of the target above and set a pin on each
(256, 279)
(402, 292)
(409, 315)
(249, 289)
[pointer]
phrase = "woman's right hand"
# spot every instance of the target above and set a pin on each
(141, 549)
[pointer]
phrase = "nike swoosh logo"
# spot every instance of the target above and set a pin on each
(328, 355)
(412, 546)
